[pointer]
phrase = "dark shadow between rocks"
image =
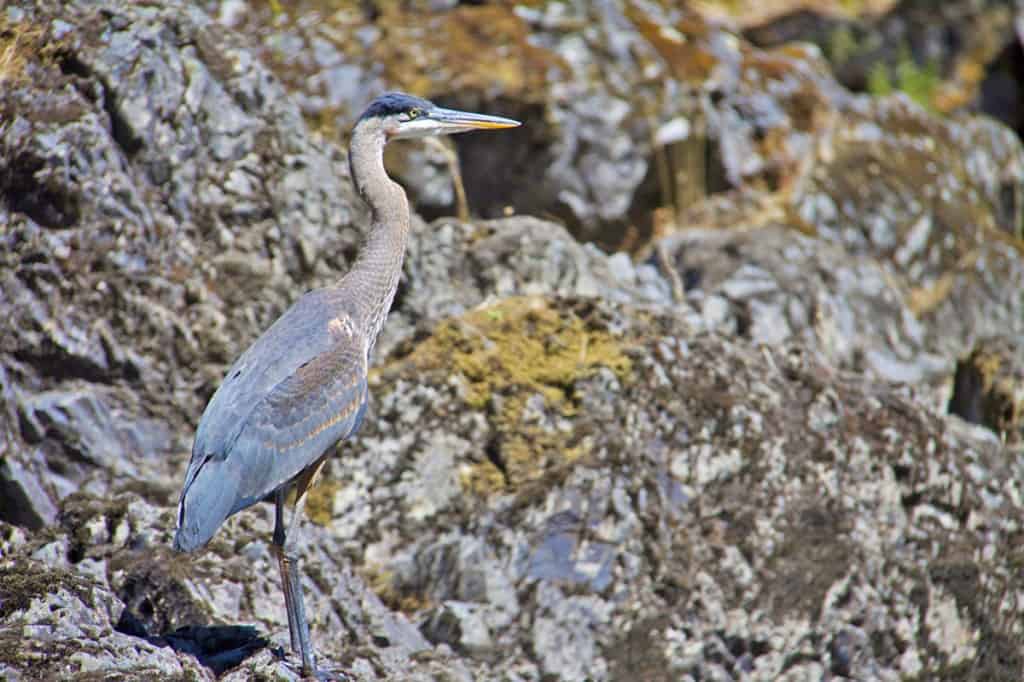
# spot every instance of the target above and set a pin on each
(1002, 90)
(503, 172)
(679, 175)
(217, 647)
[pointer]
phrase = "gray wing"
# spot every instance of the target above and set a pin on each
(299, 389)
(296, 338)
(321, 403)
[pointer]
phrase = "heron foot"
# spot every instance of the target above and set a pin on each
(318, 674)
(321, 675)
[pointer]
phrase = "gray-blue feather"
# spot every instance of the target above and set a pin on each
(299, 389)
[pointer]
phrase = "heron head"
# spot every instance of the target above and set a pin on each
(405, 116)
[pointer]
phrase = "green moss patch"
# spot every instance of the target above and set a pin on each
(520, 343)
(519, 360)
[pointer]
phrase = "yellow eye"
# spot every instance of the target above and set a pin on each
(415, 112)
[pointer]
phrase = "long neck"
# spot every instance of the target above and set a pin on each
(374, 276)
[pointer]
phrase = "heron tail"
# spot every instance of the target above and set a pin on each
(210, 496)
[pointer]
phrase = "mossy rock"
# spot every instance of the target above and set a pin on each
(520, 345)
(27, 581)
(519, 360)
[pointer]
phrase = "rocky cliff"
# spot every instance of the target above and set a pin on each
(726, 382)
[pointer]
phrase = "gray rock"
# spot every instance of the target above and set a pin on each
(457, 266)
(25, 501)
(849, 308)
(458, 624)
(57, 624)
(692, 465)
(169, 144)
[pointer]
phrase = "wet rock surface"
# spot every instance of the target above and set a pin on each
(780, 439)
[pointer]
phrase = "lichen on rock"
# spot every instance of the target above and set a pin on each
(519, 360)
(724, 452)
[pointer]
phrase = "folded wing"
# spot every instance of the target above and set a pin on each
(296, 392)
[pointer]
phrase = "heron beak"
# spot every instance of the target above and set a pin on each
(454, 121)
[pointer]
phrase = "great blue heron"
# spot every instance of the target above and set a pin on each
(301, 386)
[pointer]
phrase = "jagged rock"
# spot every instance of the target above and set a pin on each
(152, 177)
(456, 266)
(937, 197)
(924, 266)
(57, 624)
(115, 554)
(459, 625)
(24, 500)
(776, 287)
(575, 465)
(627, 108)
(84, 428)
(757, 501)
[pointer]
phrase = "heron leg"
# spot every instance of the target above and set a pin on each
(287, 543)
(284, 563)
(294, 586)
